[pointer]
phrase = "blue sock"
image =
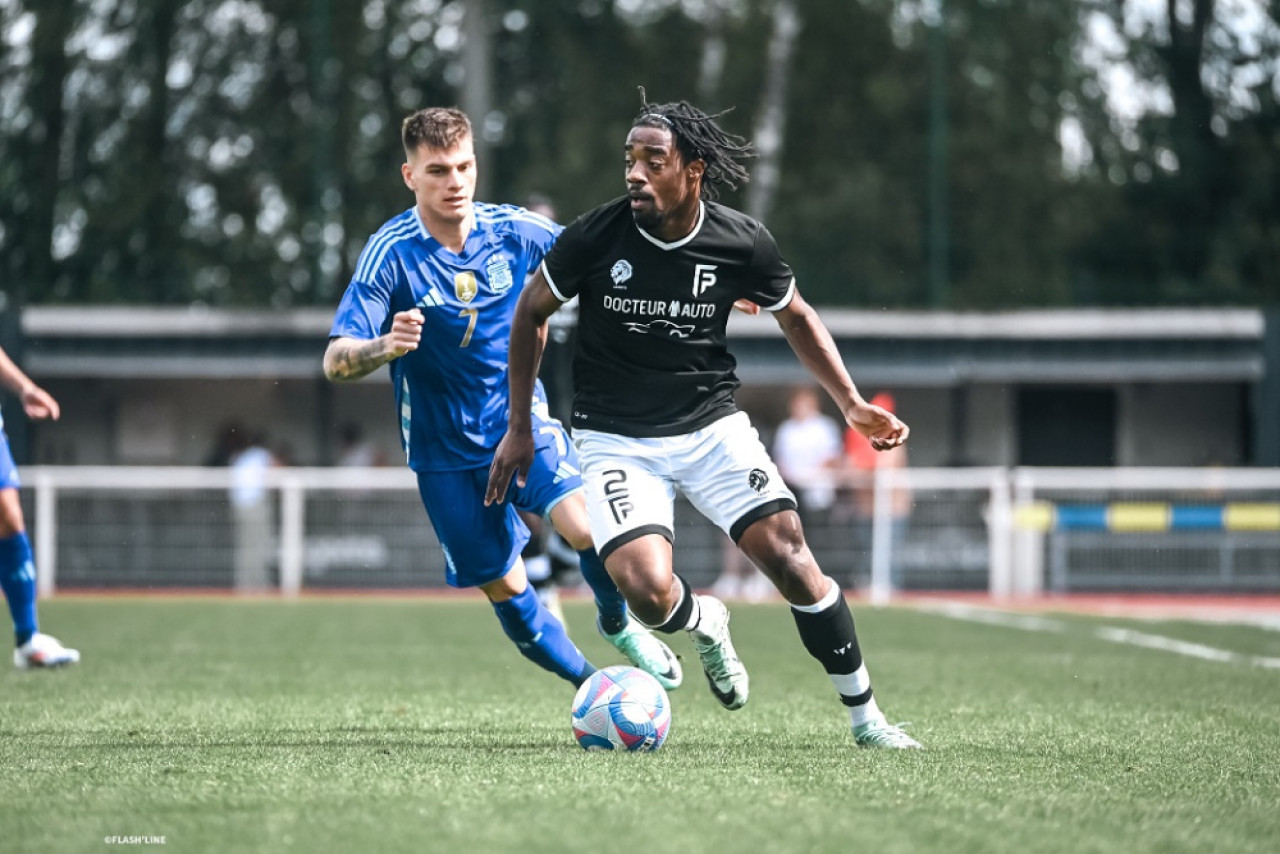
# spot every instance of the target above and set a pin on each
(610, 604)
(541, 637)
(18, 578)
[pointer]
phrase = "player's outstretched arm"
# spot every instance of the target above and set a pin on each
(36, 402)
(528, 339)
(349, 359)
(813, 344)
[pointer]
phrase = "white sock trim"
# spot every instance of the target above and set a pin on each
(865, 714)
(833, 593)
(852, 684)
(695, 614)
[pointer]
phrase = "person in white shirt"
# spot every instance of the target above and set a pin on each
(253, 509)
(807, 448)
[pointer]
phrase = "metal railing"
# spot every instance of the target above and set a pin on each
(1009, 532)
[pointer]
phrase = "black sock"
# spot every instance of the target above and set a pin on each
(685, 611)
(829, 636)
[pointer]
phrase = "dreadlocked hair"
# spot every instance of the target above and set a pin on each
(697, 136)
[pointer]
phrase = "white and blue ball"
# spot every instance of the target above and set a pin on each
(621, 708)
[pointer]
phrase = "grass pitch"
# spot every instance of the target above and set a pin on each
(372, 725)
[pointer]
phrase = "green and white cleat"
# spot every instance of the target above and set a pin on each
(643, 649)
(881, 733)
(725, 673)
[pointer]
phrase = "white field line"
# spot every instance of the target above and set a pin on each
(1268, 620)
(1032, 623)
(1195, 650)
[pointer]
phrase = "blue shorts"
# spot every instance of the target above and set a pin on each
(481, 543)
(9, 471)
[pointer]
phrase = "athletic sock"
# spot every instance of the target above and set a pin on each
(18, 578)
(826, 629)
(541, 638)
(611, 607)
(685, 614)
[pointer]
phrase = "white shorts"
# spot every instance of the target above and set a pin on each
(723, 469)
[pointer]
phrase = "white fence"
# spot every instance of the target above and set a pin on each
(1011, 532)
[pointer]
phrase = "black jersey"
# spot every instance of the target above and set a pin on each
(651, 358)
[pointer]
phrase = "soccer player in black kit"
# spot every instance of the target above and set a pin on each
(656, 273)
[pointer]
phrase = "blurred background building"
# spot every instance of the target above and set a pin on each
(1168, 387)
(1051, 230)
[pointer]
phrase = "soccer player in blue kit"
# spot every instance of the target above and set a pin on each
(17, 569)
(656, 273)
(432, 297)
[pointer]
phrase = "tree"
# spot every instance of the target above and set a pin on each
(1195, 167)
(33, 153)
(772, 116)
(239, 152)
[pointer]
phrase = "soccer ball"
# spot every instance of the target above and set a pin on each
(622, 708)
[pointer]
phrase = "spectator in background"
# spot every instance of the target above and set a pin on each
(542, 206)
(229, 441)
(807, 449)
(739, 578)
(862, 461)
(355, 450)
(17, 566)
(254, 513)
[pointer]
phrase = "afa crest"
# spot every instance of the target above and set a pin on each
(464, 285)
(498, 272)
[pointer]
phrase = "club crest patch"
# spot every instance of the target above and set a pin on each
(620, 272)
(498, 271)
(758, 480)
(464, 285)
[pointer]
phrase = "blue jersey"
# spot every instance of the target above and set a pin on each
(451, 393)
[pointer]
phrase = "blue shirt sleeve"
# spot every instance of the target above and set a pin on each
(538, 234)
(365, 310)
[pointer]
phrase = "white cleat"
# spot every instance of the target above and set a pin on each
(43, 651)
(724, 671)
(881, 733)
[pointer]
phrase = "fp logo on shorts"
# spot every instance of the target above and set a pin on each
(704, 276)
(616, 494)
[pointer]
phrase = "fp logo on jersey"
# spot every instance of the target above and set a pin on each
(704, 276)
(464, 285)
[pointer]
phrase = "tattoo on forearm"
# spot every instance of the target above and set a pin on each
(354, 361)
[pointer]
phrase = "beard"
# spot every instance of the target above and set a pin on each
(649, 218)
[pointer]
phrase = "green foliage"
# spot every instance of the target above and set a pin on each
(416, 726)
(182, 151)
